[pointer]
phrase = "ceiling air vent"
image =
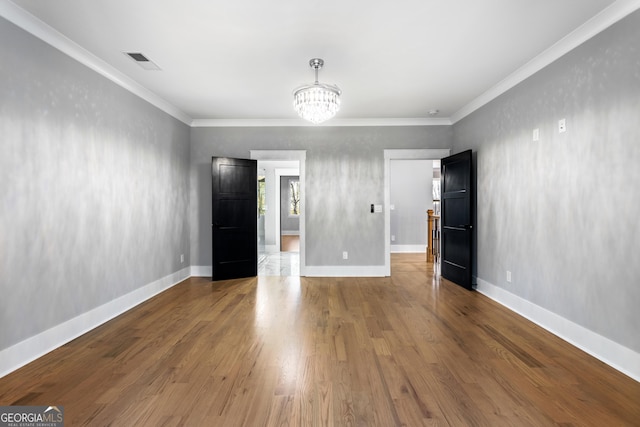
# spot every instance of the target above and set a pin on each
(142, 61)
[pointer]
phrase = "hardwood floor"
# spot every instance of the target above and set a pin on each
(407, 350)
(289, 243)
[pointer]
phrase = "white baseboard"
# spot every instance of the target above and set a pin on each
(344, 271)
(201, 271)
(290, 233)
(32, 348)
(419, 249)
(613, 354)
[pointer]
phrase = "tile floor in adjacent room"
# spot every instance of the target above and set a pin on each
(285, 263)
(280, 264)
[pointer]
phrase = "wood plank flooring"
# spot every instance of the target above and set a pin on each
(289, 243)
(409, 350)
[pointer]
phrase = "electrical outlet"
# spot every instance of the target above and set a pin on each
(393, 238)
(345, 255)
(508, 276)
(562, 125)
(536, 134)
(181, 258)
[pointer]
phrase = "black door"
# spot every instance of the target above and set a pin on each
(457, 218)
(234, 218)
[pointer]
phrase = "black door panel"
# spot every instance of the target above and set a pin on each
(234, 218)
(457, 218)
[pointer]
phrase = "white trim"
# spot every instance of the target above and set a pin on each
(607, 17)
(400, 154)
(301, 157)
(613, 354)
(600, 22)
(290, 232)
(331, 123)
(32, 348)
(48, 34)
(345, 271)
(413, 249)
(201, 271)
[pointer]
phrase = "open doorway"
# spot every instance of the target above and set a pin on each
(428, 155)
(290, 213)
(411, 195)
(278, 169)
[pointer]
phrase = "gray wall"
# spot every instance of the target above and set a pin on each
(344, 175)
(411, 194)
(289, 224)
(562, 213)
(93, 186)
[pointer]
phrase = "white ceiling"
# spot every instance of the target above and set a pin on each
(241, 59)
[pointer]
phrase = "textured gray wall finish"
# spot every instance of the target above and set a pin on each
(101, 192)
(411, 192)
(344, 175)
(562, 213)
(93, 186)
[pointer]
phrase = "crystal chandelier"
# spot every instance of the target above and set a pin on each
(317, 102)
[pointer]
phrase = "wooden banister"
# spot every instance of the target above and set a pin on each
(430, 235)
(433, 236)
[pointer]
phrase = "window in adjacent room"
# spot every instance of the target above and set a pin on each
(262, 201)
(294, 197)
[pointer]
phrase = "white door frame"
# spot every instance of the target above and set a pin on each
(401, 154)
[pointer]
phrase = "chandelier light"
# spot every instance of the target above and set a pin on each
(317, 102)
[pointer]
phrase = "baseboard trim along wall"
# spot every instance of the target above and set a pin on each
(201, 271)
(344, 271)
(316, 271)
(32, 348)
(613, 354)
(414, 249)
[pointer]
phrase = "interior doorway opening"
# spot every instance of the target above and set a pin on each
(404, 154)
(280, 212)
(412, 184)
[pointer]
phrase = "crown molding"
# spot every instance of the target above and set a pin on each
(49, 35)
(330, 123)
(607, 17)
(600, 22)
(46, 33)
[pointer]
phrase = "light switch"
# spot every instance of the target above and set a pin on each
(378, 208)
